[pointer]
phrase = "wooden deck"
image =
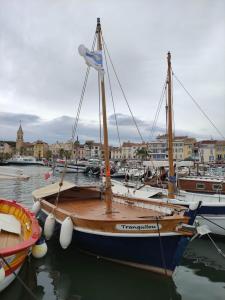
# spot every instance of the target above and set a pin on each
(95, 210)
(9, 239)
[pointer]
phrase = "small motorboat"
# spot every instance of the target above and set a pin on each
(19, 231)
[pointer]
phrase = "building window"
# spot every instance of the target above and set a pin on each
(200, 186)
(217, 187)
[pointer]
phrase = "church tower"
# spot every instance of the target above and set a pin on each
(19, 140)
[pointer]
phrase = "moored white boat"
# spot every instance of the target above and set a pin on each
(24, 160)
(211, 212)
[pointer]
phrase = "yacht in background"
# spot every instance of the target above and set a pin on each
(24, 160)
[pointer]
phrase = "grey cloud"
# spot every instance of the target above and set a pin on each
(13, 119)
(124, 120)
(60, 129)
(42, 74)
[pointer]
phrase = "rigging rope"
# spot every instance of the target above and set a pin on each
(19, 279)
(74, 130)
(125, 98)
(158, 110)
(199, 107)
(110, 87)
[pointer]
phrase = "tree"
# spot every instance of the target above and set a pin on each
(49, 154)
(61, 153)
(142, 153)
(67, 154)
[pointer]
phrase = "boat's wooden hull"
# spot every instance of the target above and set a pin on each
(144, 251)
(201, 185)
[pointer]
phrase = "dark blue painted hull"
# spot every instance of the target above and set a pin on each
(145, 252)
(212, 210)
(209, 210)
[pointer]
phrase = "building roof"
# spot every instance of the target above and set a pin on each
(10, 143)
(130, 144)
(220, 143)
(28, 144)
(207, 142)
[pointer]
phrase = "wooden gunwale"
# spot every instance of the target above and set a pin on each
(177, 208)
(91, 215)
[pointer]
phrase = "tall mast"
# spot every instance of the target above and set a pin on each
(170, 130)
(108, 190)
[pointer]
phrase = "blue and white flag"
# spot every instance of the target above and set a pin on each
(92, 58)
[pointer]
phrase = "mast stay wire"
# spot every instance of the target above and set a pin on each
(74, 130)
(122, 90)
(159, 106)
(158, 111)
(110, 87)
(199, 107)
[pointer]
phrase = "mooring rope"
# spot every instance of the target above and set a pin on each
(19, 279)
(215, 245)
(161, 248)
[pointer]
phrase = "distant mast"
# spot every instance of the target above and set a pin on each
(108, 190)
(171, 178)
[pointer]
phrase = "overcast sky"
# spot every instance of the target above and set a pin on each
(41, 72)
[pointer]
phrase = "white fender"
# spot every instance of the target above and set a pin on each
(40, 248)
(66, 233)
(36, 207)
(193, 205)
(49, 226)
(2, 272)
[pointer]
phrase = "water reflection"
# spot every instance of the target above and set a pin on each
(203, 258)
(75, 275)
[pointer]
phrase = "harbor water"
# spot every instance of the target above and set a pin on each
(72, 275)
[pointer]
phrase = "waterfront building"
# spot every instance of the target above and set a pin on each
(40, 149)
(7, 149)
(220, 151)
(207, 151)
(130, 150)
(28, 149)
(158, 148)
(188, 150)
(116, 153)
(182, 148)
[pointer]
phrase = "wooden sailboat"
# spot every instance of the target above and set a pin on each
(19, 231)
(129, 230)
